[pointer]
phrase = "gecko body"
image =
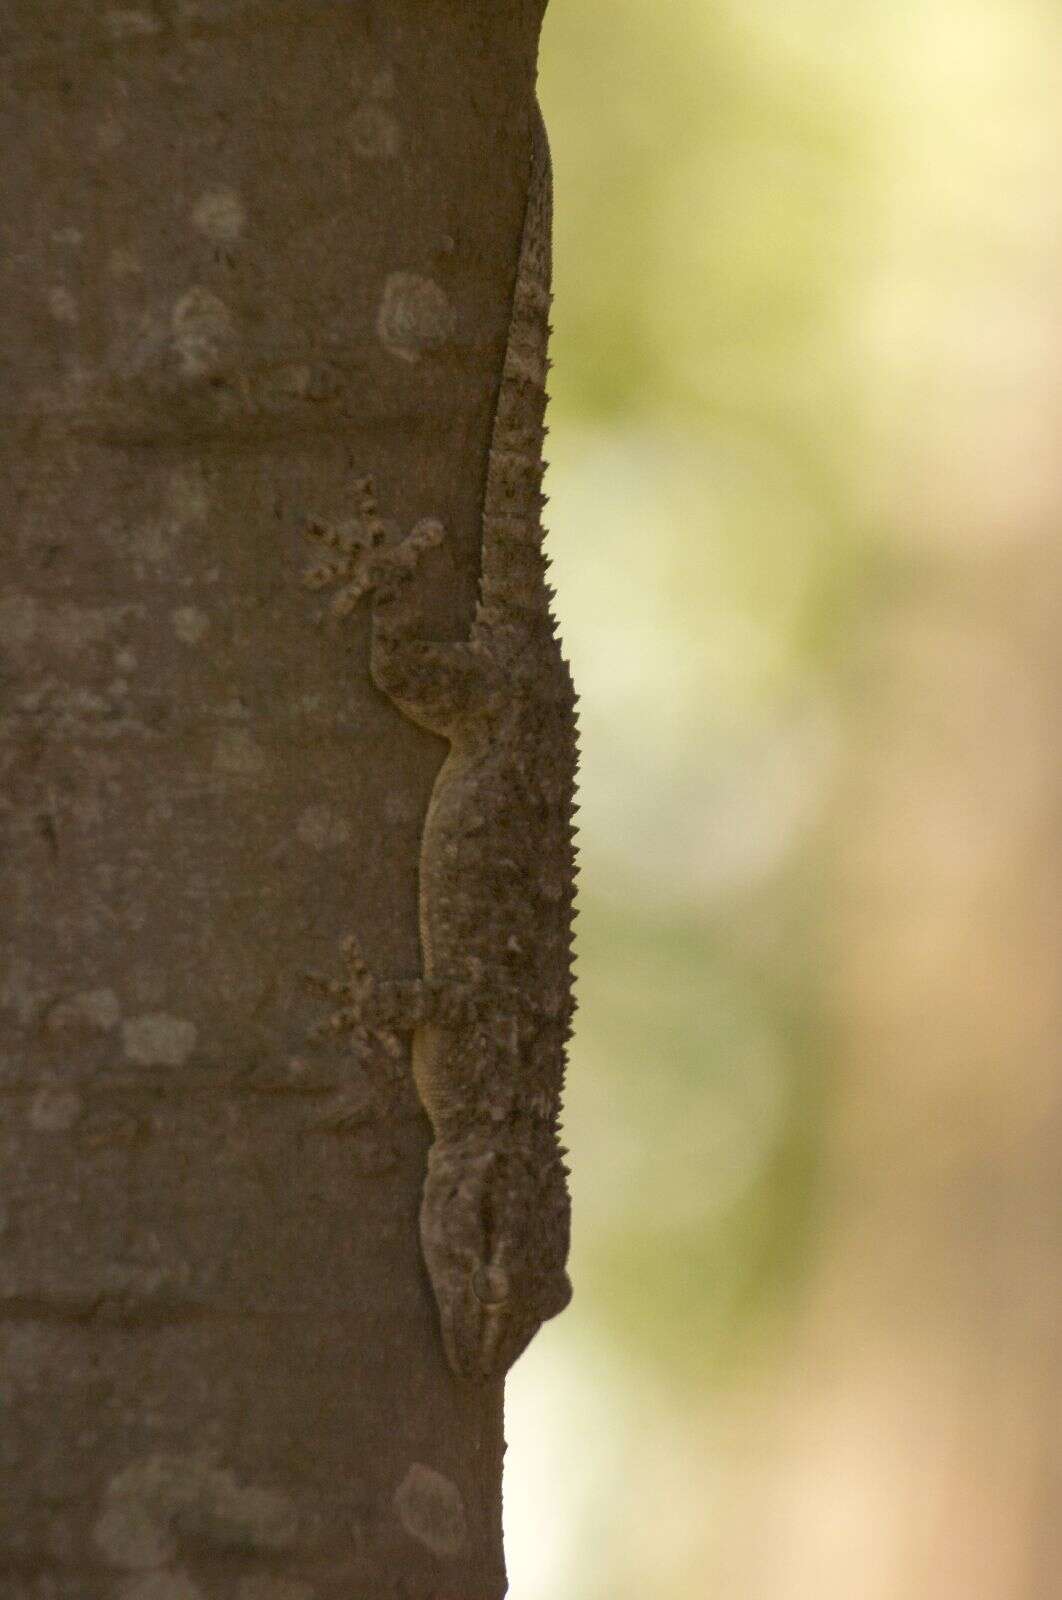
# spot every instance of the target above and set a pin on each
(491, 1013)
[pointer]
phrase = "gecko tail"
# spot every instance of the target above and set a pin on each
(513, 567)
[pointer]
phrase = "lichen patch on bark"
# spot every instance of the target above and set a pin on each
(375, 132)
(202, 327)
(159, 1040)
(430, 1508)
(190, 623)
(152, 1504)
(415, 316)
(91, 1010)
(219, 213)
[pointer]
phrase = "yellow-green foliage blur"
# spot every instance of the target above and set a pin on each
(806, 477)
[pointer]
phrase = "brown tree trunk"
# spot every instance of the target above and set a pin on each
(253, 250)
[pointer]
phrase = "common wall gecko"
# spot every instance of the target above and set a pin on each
(491, 1014)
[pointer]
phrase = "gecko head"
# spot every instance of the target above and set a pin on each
(494, 1228)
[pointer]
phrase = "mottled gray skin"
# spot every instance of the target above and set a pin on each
(491, 1014)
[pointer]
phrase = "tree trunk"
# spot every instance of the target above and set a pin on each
(253, 251)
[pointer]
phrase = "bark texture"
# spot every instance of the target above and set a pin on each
(253, 249)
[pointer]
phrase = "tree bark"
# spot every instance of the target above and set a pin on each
(253, 250)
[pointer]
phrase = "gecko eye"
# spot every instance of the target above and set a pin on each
(490, 1285)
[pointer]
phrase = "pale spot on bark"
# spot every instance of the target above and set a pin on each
(202, 325)
(129, 24)
(374, 132)
(66, 627)
(129, 1536)
(295, 379)
(414, 316)
(125, 660)
(92, 1008)
(431, 1510)
(122, 263)
(155, 1503)
(190, 624)
(54, 1110)
(159, 1040)
(71, 627)
(220, 215)
(236, 753)
(161, 1586)
(322, 828)
(62, 304)
(69, 236)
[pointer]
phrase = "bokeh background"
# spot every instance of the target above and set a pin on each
(806, 488)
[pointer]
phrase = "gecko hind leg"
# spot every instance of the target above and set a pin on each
(368, 1005)
(438, 684)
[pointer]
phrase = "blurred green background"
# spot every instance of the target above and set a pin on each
(805, 482)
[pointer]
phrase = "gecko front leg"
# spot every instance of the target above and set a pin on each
(360, 562)
(436, 683)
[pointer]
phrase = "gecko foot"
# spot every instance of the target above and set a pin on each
(360, 561)
(354, 1013)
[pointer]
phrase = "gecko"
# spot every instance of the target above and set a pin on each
(491, 1013)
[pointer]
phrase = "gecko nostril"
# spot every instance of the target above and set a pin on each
(490, 1285)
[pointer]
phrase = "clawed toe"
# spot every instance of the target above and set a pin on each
(359, 970)
(362, 561)
(330, 988)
